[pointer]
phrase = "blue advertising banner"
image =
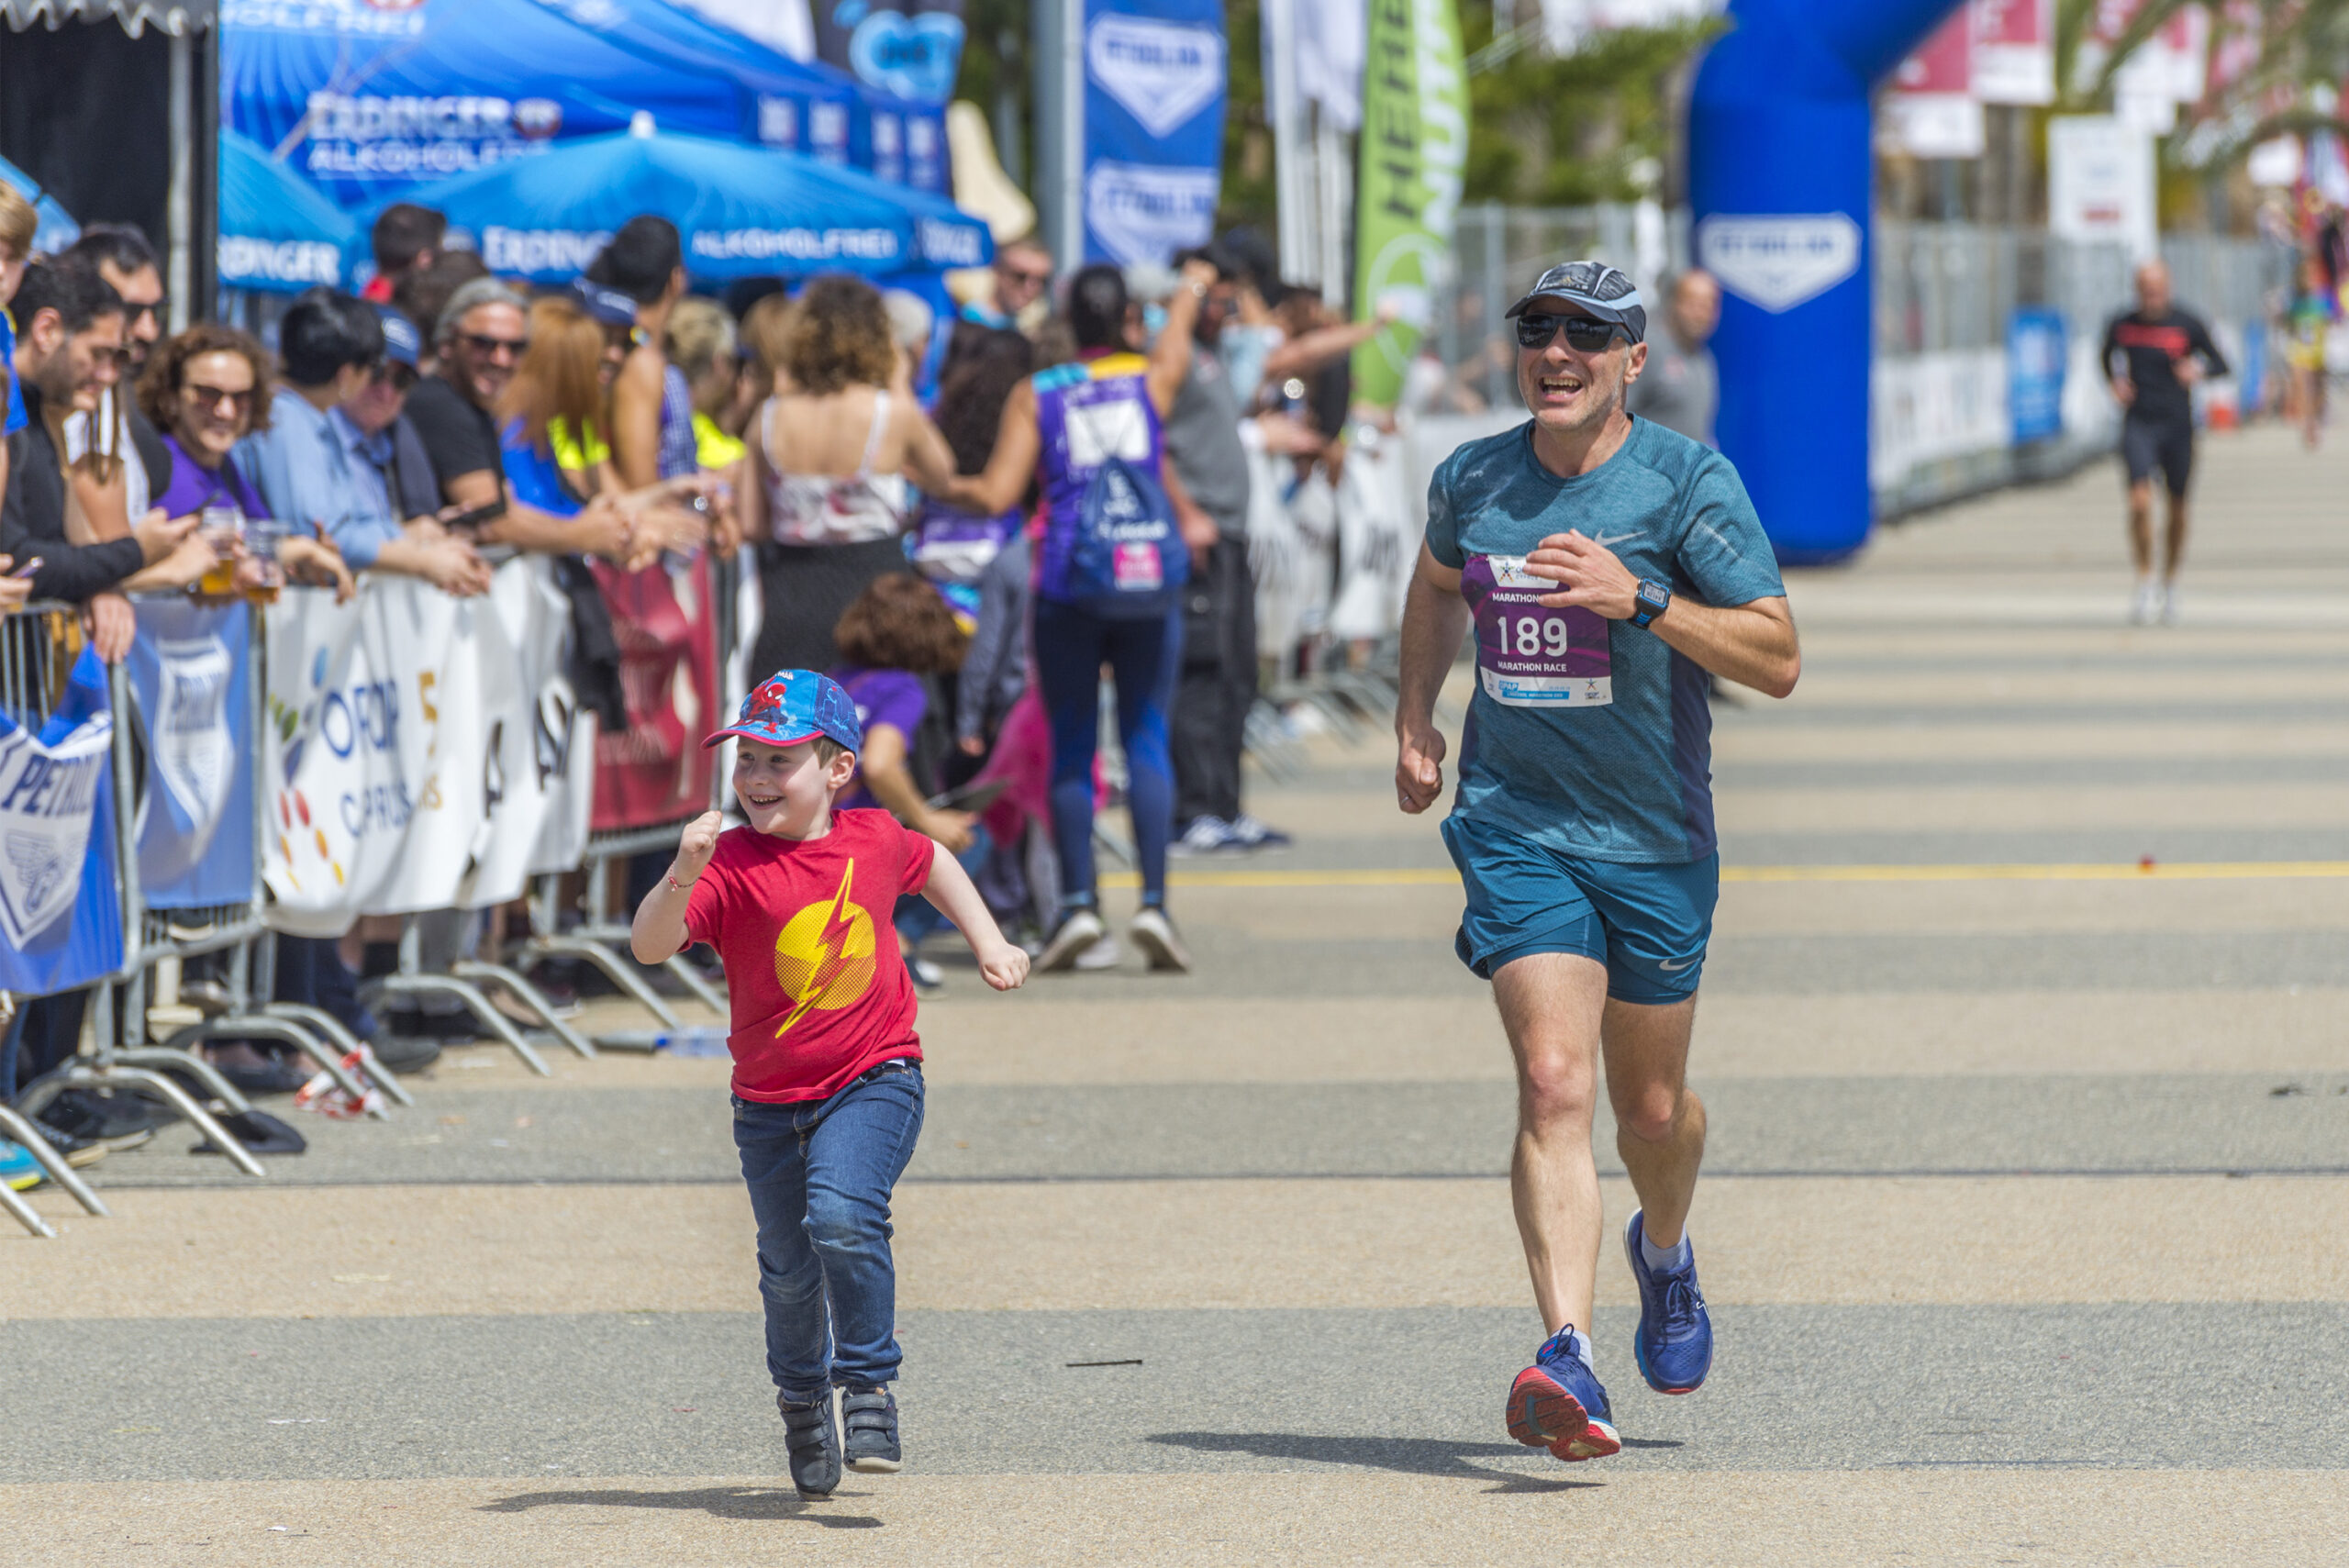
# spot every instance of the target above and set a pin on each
(2037, 349)
(1154, 77)
(191, 666)
(60, 914)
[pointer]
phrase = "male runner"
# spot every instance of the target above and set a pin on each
(1608, 564)
(2164, 351)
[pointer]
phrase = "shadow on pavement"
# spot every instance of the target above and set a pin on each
(1406, 1456)
(718, 1502)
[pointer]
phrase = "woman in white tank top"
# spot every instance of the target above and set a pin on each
(837, 444)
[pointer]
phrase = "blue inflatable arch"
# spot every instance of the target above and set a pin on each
(1780, 177)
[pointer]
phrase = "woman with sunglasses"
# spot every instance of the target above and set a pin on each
(205, 390)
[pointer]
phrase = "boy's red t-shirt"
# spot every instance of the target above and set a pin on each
(820, 991)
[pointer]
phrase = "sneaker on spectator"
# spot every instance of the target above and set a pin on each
(83, 1151)
(1155, 934)
(1250, 832)
(119, 1121)
(404, 1055)
(18, 1169)
(927, 976)
(1079, 931)
(1203, 835)
(1103, 955)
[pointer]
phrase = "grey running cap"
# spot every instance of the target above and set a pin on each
(1596, 289)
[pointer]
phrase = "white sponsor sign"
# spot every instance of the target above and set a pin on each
(47, 795)
(1781, 260)
(1142, 213)
(421, 753)
(1162, 73)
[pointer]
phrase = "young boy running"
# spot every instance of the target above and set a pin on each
(827, 1090)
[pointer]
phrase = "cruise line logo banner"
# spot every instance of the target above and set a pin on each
(419, 752)
(60, 914)
(1414, 145)
(189, 670)
(1154, 81)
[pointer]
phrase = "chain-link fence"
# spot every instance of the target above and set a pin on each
(1945, 299)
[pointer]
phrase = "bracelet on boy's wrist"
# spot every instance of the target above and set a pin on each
(670, 876)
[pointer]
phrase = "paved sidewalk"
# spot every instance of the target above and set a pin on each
(2024, 1233)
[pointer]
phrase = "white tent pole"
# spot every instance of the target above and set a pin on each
(180, 205)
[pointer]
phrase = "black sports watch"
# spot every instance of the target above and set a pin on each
(1652, 598)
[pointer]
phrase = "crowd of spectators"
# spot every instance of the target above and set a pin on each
(871, 458)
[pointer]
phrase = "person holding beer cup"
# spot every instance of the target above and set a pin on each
(205, 390)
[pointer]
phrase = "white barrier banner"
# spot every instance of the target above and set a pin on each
(423, 753)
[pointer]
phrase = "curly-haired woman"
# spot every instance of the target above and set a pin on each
(834, 447)
(205, 390)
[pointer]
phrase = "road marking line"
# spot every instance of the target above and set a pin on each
(2124, 870)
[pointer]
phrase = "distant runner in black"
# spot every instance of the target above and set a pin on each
(2152, 356)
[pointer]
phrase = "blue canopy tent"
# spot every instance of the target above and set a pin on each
(893, 138)
(57, 228)
(742, 212)
(278, 234)
(375, 102)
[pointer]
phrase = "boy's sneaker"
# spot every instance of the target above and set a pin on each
(1079, 928)
(1557, 1404)
(813, 1444)
(1673, 1343)
(1251, 833)
(1153, 933)
(869, 1430)
(1202, 835)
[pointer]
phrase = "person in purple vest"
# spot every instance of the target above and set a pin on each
(1108, 560)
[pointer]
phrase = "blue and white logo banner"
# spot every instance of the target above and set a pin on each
(1155, 83)
(61, 914)
(191, 670)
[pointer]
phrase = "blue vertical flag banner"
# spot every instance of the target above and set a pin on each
(1155, 83)
(191, 668)
(61, 912)
(2036, 352)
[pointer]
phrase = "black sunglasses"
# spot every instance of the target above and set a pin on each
(398, 376)
(488, 348)
(1585, 335)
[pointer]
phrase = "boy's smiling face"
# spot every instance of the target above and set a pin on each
(788, 790)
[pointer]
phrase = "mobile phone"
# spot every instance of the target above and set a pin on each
(473, 517)
(28, 567)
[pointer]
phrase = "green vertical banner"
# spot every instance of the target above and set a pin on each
(1414, 145)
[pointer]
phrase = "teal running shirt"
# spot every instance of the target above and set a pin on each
(1586, 734)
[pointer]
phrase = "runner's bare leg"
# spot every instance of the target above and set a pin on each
(2174, 543)
(1552, 1004)
(2141, 527)
(1659, 1120)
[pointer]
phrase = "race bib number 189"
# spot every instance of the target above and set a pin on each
(1529, 655)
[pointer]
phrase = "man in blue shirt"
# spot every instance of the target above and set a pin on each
(315, 466)
(1606, 564)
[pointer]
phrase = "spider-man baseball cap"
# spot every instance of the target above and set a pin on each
(792, 706)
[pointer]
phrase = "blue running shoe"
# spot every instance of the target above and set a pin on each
(1557, 1404)
(1673, 1343)
(18, 1166)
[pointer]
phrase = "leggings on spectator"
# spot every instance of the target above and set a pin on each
(1145, 657)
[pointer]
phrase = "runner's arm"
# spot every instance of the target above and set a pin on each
(1753, 644)
(1435, 618)
(950, 891)
(636, 420)
(1170, 356)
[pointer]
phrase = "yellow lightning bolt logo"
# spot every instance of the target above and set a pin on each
(823, 955)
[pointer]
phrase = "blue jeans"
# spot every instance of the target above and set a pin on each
(819, 1173)
(1145, 658)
